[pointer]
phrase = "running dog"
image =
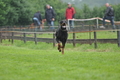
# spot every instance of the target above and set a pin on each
(61, 36)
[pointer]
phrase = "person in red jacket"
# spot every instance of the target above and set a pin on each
(70, 14)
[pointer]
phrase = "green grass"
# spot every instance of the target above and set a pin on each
(28, 61)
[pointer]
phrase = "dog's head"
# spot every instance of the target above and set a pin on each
(63, 24)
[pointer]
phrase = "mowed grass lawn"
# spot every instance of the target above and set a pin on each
(28, 61)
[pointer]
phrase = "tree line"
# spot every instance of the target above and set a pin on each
(20, 12)
(91, 3)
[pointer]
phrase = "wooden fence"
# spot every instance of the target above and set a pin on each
(12, 35)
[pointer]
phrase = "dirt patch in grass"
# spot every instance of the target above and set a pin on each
(98, 50)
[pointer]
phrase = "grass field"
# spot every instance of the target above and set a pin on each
(28, 61)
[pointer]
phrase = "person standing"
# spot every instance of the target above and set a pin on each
(50, 16)
(70, 14)
(37, 20)
(109, 15)
(52, 23)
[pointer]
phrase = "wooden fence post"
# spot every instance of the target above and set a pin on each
(95, 38)
(74, 42)
(90, 35)
(24, 34)
(53, 39)
(0, 37)
(12, 37)
(118, 36)
(35, 38)
(8, 37)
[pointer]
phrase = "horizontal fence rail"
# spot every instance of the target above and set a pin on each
(50, 40)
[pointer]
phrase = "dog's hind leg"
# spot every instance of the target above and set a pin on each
(62, 50)
(59, 47)
(63, 46)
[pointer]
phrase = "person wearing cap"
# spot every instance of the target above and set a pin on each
(70, 14)
(109, 14)
(50, 16)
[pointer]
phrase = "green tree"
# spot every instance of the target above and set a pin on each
(95, 11)
(3, 9)
(18, 12)
(117, 12)
(86, 11)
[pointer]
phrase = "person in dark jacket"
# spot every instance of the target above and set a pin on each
(109, 14)
(37, 19)
(70, 14)
(50, 16)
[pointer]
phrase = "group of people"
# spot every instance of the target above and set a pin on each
(69, 14)
(50, 16)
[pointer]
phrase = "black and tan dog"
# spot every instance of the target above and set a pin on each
(61, 36)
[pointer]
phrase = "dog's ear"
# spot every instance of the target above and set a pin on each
(61, 22)
(65, 21)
